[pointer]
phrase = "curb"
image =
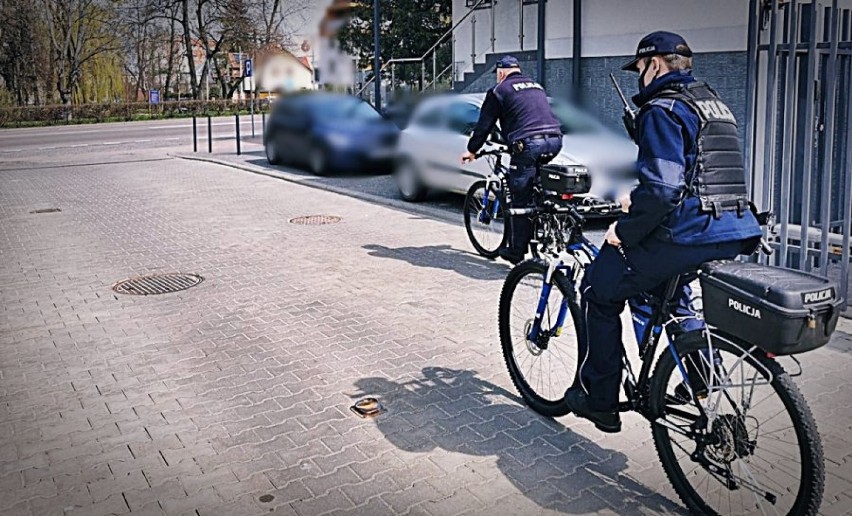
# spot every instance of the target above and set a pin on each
(407, 207)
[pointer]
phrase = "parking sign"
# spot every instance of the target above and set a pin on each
(154, 96)
(248, 68)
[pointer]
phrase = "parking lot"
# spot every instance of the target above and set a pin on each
(232, 397)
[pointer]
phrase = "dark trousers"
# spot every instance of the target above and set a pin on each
(522, 172)
(609, 282)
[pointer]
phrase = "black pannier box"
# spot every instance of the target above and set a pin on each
(558, 180)
(782, 311)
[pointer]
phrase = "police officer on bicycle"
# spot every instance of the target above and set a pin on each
(691, 206)
(533, 133)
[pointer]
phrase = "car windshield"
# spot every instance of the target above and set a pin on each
(573, 120)
(337, 108)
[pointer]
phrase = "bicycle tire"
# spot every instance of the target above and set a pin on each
(552, 405)
(809, 495)
(470, 209)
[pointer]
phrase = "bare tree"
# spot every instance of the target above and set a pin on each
(281, 19)
(78, 30)
(138, 20)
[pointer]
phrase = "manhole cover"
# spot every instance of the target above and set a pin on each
(46, 210)
(315, 220)
(157, 284)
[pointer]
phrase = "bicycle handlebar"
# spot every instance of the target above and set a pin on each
(575, 211)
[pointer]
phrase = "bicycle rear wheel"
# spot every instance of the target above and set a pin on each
(543, 369)
(484, 219)
(758, 450)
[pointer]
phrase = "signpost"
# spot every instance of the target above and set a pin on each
(249, 74)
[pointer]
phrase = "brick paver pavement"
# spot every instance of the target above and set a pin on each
(232, 397)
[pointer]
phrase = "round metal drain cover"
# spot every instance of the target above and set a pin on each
(157, 284)
(315, 220)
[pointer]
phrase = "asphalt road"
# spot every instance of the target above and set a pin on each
(153, 134)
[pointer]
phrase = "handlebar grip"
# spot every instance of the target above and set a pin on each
(765, 247)
(576, 215)
(522, 211)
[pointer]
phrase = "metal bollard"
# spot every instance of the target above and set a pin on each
(194, 135)
(237, 119)
(209, 135)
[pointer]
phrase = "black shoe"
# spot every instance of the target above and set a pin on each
(510, 256)
(578, 403)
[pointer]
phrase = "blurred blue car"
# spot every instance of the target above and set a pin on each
(329, 133)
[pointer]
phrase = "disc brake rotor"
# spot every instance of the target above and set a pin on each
(533, 347)
(732, 441)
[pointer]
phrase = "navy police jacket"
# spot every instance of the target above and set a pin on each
(660, 207)
(521, 106)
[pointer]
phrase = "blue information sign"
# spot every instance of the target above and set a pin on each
(249, 70)
(154, 96)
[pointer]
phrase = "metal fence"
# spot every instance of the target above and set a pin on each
(798, 137)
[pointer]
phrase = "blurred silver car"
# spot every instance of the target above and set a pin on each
(429, 149)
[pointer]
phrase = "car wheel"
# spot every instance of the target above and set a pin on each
(272, 155)
(318, 160)
(408, 181)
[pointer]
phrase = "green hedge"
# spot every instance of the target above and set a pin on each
(29, 116)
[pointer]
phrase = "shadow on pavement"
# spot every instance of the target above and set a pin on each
(444, 257)
(455, 410)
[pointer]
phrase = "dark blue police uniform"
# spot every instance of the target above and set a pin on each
(665, 233)
(533, 132)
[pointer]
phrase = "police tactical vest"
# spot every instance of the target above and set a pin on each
(718, 177)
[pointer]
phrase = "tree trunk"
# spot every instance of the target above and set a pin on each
(171, 58)
(190, 56)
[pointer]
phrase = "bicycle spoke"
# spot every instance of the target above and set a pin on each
(752, 435)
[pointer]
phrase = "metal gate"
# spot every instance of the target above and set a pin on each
(798, 138)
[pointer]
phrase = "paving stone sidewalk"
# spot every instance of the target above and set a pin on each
(232, 397)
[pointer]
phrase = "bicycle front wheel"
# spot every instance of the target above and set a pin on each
(541, 368)
(484, 219)
(756, 451)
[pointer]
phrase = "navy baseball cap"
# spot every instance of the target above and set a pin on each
(507, 62)
(656, 44)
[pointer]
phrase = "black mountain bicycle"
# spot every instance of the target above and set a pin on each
(488, 200)
(733, 433)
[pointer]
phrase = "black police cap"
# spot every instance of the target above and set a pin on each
(507, 62)
(656, 44)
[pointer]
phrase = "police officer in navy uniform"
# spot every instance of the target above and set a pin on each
(690, 206)
(533, 133)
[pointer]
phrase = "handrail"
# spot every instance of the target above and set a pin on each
(439, 74)
(453, 28)
(423, 57)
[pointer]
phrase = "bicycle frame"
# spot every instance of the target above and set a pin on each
(582, 252)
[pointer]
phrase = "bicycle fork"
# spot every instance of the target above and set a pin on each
(535, 330)
(488, 213)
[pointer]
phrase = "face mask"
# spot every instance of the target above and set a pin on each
(642, 76)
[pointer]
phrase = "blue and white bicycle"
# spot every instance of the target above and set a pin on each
(733, 432)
